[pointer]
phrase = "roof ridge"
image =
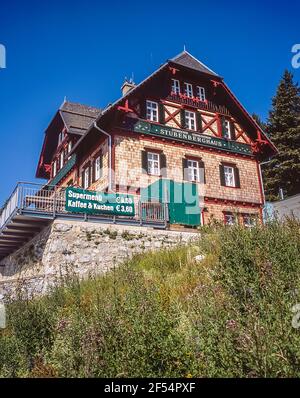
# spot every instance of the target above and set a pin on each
(77, 103)
(185, 52)
(77, 113)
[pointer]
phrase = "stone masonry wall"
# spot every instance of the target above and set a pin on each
(80, 248)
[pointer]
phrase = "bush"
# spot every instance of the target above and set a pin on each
(165, 315)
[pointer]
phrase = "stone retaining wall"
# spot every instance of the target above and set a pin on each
(80, 248)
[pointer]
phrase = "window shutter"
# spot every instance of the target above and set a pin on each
(223, 126)
(182, 116)
(93, 170)
(101, 165)
(163, 165)
(185, 168)
(161, 113)
(82, 178)
(237, 177)
(143, 109)
(232, 130)
(89, 172)
(222, 175)
(202, 172)
(144, 162)
(199, 121)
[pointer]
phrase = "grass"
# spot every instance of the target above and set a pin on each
(166, 315)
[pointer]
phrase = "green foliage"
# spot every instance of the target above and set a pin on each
(164, 314)
(284, 129)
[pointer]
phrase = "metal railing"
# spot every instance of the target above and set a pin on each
(49, 201)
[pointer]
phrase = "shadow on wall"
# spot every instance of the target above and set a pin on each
(28, 258)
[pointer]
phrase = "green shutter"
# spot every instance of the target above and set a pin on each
(144, 162)
(223, 126)
(202, 172)
(232, 130)
(182, 116)
(161, 113)
(185, 168)
(199, 121)
(163, 164)
(82, 178)
(237, 177)
(222, 175)
(93, 170)
(90, 172)
(143, 109)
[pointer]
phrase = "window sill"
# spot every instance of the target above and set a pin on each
(227, 186)
(152, 121)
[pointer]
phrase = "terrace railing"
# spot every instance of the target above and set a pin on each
(49, 202)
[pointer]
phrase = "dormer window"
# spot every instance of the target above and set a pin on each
(175, 86)
(201, 93)
(60, 138)
(61, 160)
(54, 169)
(152, 111)
(188, 90)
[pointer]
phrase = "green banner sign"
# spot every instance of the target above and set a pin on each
(192, 138)
(92, 202)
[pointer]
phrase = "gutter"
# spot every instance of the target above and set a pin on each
(109, 154)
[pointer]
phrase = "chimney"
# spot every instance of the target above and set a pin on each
(127, 86)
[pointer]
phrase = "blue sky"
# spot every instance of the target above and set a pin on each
(84, 49)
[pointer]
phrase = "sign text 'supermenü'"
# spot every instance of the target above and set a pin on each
(91, 202)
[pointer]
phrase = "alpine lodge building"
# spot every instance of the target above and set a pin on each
(179, 138)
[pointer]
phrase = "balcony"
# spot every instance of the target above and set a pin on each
(197, 103)
(32, 207)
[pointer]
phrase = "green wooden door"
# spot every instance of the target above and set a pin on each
(182, 199)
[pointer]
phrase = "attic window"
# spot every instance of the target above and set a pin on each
(60, 138)
(201, 93)
(175, 86)
(188, 89)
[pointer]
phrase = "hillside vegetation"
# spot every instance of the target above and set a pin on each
(166, 314)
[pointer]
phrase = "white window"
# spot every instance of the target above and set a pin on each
(188, 89)
(249, 220)
(227, 129)
(175, 86)
(98, 168)
(86, 178)
(153, 163)
(54, 169)
(61, 160)
(193, 170)
(69, 146)
(190, 120)
(229, 176)
(229, 219)
(152, 111)
(201, 93)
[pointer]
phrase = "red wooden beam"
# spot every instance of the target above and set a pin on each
(173, 70)
(125, 108)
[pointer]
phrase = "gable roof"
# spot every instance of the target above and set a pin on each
(189, 61)
(185, 60)
(77, 117)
